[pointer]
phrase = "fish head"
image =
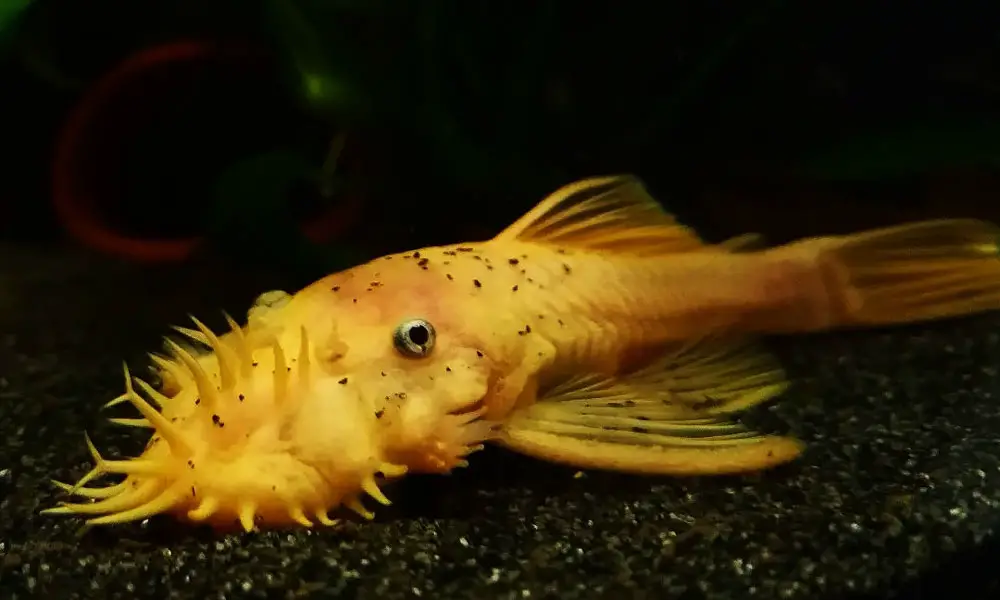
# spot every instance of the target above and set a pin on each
(405, 355)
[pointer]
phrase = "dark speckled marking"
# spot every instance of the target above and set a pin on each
(898, 492)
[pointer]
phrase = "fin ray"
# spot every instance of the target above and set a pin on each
(667, 418)
(613, 213)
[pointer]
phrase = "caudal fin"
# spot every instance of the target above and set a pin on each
(915, 272)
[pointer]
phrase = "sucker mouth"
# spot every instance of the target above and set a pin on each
(476, 406)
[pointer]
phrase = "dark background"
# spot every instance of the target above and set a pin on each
(167, 122)
(782, 117)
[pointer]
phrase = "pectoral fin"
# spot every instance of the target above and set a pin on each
(667, 419)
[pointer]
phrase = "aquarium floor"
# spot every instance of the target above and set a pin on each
(899, 490)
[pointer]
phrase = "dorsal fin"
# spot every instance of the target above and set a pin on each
(613, 213)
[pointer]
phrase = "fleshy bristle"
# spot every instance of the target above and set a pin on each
(355, 505)
(143, 423)
(179, 446)
(280, 373)
(247, 514)
(241, 347)
(159, 503)
(324, 518)
(94, 493)
(206, 509)
(158, 399)
(304, 363)
(123, 501)
(206, 391)
(168, 366)
(191, 334)
(159, 482)
(224, 354)
(370, 487)
(296, 514)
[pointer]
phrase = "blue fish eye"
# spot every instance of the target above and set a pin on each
(414, 338)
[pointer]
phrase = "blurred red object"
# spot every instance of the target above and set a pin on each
(82, 170)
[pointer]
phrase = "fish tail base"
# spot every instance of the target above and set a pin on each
(915, 272)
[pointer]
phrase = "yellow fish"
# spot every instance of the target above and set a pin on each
(596, 331)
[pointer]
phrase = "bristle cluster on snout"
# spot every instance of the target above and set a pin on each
(218, 453)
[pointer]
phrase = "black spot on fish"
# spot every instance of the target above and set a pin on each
(477, 257)
(560, 321)
(641, 418)
(190, 464)
(416, 255)
(254, 363)
(513, 289)
(450, 253)
(448, 275)
(707, 403)
(639, 430)
(375, 284)
(566, 269)
(464, 249)
(423, 262)
(242, 397)
(336, 288)
(343, 381)
(560, 251)
(217, 420)
(193, 492)
(477, 283)
(383, 373)
(197, 401)
(489, 267)
(446, 263)
(513, 261)
(355, 300)
(379, 413)
(479, 353)
(447, 369)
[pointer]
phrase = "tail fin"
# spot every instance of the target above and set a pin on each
(914, 272)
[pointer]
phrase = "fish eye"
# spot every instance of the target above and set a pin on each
(414, 338)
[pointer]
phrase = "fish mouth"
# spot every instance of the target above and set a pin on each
(477, 407)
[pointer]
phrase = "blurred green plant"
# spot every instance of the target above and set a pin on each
(908, 150)
(481, 88)
(10, 14)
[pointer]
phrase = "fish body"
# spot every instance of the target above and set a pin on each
(596, 331)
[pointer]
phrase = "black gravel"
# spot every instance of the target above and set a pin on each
(899, 491)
